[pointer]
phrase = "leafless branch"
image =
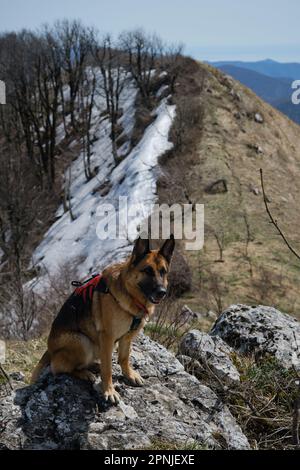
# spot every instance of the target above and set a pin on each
(6, 376)
(274, 221)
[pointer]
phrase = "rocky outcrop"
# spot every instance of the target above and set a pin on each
(217, 187)
(189, 316)
(258, 118)
(261, 331)
(66, 413)
(212, 352)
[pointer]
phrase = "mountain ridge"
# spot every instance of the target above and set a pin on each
(268, 67)
(268, 88)
(233, 147)
(276, 91)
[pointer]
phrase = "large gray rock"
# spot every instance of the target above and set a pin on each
(212, 352)
(65, 413)
(261, 330)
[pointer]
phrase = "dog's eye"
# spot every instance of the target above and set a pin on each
(148, 270)
(162, 272)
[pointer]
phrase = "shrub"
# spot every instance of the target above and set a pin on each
(262, 402)
(180, 277)
(169, 324)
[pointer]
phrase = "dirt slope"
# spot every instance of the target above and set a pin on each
(232, 146)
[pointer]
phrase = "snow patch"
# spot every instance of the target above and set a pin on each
(76, 242)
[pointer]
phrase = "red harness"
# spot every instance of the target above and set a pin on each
(141, 307)
(87, 288)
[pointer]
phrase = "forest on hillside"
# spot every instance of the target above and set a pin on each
(53, 78)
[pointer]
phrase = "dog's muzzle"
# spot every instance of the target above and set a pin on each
(158, 295)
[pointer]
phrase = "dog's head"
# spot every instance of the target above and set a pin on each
(147, 276)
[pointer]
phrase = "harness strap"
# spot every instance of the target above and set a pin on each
(97, 283)
(136, 322)
(141, 306)
(86, 288)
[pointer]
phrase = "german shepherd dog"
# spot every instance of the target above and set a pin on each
(111, 307)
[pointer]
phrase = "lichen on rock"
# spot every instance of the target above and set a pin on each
(66, 413)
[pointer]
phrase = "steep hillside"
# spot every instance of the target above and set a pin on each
(276, 91)
(74, 238)
(232, 146)
(268, 88)
(222, 134)
(243, 259)
(87, 118)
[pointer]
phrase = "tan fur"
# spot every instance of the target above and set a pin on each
(109, 322)
(44, 362)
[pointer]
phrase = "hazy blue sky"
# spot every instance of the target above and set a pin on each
(211, 29)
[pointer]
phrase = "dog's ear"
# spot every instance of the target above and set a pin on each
(140, 250)
(167, 249)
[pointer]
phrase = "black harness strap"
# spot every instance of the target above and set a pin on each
(103, 288)
(80, 284)
(136, 322)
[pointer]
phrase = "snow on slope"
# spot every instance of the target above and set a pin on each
(76, 242)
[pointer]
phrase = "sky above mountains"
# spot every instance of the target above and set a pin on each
(211, 30)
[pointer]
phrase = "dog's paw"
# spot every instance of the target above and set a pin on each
(134, 378)
(90, 377)
(112, 395)
(84, 375)
(94, 368)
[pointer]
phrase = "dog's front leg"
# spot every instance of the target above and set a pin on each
(106, 350)
(124, 355)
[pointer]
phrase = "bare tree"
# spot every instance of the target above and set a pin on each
(173, 64)
(114, 79)
(17, 71)
(67, 201)
(18, 196)
(19, 309)
(18, 212)
(75, 45)
(143, 55)
(274, 221)
(47, 65)
(87, 95)
(219, 234)
(188, 117)
(34, 76)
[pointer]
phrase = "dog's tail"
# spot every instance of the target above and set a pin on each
(44, 362)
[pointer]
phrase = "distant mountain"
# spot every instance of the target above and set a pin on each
(275, 91)
(289, 109)
(267, 67)
(268, 88)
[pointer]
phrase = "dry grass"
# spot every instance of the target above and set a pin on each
(23, 356)
(257, 267)
(169, 324)
(262, 402)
